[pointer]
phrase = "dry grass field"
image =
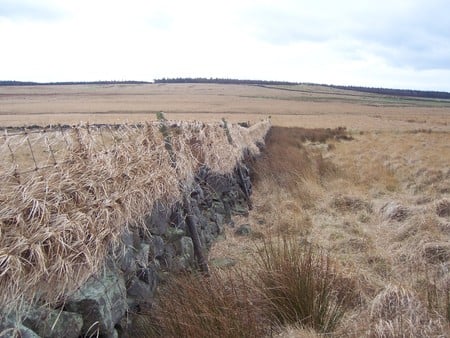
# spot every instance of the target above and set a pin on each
(379, 206)
(304, 105)
(368, 219)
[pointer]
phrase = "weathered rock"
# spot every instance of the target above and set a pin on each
(157, 247)
(220, 219)
(159, 219)
(174, 234)
(240, 209)
(54, 324)
(197, 192)
(140, 292)
(168, 257)
(10, 329)
(101, 301)
(127, 261)
(219, 183)
(127, 253)
(149, 275)
(142, 255)
(185, 249)
(243, 230)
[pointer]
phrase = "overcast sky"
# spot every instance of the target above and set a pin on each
(379, 43)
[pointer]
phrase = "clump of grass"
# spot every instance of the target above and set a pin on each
(287, 163)
(397, 312)
(194, 305)
(302, 285)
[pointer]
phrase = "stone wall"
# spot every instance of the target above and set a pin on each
(178, 237)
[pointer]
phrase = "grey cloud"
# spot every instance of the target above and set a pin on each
(416, 35)
(29, 10)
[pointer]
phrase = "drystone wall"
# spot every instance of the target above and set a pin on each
(178, 237)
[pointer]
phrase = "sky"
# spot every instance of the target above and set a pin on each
(376, 43)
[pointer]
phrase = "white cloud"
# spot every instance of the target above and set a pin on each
(384, 43)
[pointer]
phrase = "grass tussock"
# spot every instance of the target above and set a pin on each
(302, 285)
(193, 305)
(287, 164)
(289, 284)
(397, 312)
(286, 160)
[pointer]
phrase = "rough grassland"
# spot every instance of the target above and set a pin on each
(378, 205)
(305, 106)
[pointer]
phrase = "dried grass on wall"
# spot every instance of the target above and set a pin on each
(59, 221)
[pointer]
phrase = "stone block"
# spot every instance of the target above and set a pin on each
(49, 323)
(101, 301)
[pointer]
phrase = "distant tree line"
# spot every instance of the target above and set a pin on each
(223, 81)
(397, 92)
(30, 83)
(381, 91)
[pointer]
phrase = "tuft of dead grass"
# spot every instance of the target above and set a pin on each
(219, 305)
(302, 285)
(396, 311)
(443, 208)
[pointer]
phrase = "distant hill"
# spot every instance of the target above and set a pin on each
(397, 92)
(382, 91)
(30, 83)
(224, 81)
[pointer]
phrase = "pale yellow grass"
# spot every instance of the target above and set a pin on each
(387, 229)
(311, 106)
(384, 216)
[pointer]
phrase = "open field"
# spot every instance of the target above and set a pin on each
(376, 208)
(379, 205)
(304, 105)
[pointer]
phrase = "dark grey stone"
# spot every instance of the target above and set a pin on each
(157, 247)
(186, 247)
(49, 323)
(197, 192)
(127, 261)
(101, 301)
(149, 275)
(220, 219)
(174, 234)
(140, 292)
(219, 183)
(240, 209)
(159, 219)
(243, 230)
(177, 218)
(10, 329)
(142, 255)
(168, 257)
